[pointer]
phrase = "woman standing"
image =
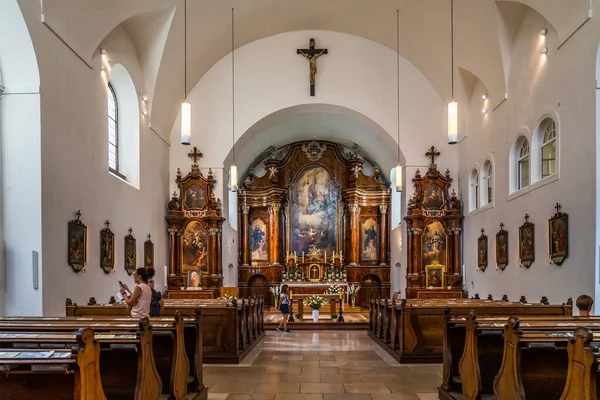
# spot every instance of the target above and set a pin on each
(138, 303)
(157, 304)
(284, 306)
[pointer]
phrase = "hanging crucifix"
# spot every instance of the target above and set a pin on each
(311, 54)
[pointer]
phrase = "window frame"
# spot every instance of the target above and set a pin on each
(474, 192)
(521, 158)
(115, 120)
(549, 122)
(489, 183)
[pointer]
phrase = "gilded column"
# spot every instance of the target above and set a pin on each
(383, 234)
(274, 239)
(457, 268)
(245, 235)
(172, 251)
(212, 250)
(353, 257)
(219, 264)
(179, 243)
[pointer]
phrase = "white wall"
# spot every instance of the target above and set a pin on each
(560, 85)
(74, 171)
(357, 74)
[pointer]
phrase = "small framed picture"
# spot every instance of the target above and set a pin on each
(77, 243)
(559, 236)
(434, 275)
(194, 278)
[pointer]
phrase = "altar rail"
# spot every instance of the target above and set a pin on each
(410, 330)
(230, 328)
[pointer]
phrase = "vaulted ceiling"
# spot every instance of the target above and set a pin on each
(484, 31)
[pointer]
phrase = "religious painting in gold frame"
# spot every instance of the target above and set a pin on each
(502, 248)
(149, 253)
(107, 248)
(195, 197)
(558, 236)
(527, 243)
(482, 251)
(434, 275)
(77, 235)
(195, 247)
(370, 239)
(433, 199)
(130, 253)
(258, 240)
(433, 244)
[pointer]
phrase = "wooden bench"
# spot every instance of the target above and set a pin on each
(227, 335)
(480, 341)
(127, 368)
(168, 342)
(582, 373)
(535, 363)
(412, 330)
(72, 374)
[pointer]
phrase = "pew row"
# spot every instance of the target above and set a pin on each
(168, 343)
(582, 373)
(126, 363)
(411, 330)
(230, 328)
(480, 342)
(68, 374)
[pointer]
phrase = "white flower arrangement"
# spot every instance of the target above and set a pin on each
(276, 290)
(226, 297)
(334, 289)
(352, 290)
(315, 302)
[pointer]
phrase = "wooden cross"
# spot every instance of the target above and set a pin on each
(149, 237)
(130, 230)
(433, 153)
(526, 218)
(501, 226)
(78, 213)
(558, 207)
(311, 54)
(481, 231)
(107, 224)
(195, 154)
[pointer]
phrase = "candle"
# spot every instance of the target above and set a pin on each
(165, 276)
(325, 255)
(302, 257)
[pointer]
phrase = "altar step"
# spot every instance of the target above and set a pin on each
(353, 321)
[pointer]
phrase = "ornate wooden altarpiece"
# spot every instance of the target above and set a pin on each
(433, 225)
(312, 201)
(195, 232)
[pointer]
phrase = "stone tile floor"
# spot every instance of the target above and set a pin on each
(321, 366)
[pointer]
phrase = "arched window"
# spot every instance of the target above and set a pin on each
(488, 183)
(475, 195)
(523, 165)
(113, 131)
(548, 147)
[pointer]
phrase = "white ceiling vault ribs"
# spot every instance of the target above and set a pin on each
(484, 31)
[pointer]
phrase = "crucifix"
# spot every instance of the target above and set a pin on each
(78, 213)
(433, 153)
(130, 230)
(558, 207)
(311, 54)
(501, 226)
(195, 154)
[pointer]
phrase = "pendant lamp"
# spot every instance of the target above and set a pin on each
(452, 106)
(398, 167)
(233, 171)
(186, 108)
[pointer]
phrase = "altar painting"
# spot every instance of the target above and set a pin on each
(433, 244)
(313, 211)
(194, 247)
(433, 198)
(258, 240)
(370, 239)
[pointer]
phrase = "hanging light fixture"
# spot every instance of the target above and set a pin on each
(398, 167)
(186, 108)
(233, 172)
(452, 106)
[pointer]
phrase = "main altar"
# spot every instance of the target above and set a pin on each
(314, 218)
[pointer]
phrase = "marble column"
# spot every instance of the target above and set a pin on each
(383, 234)
(212, 250)
(353, 257)
(172, 250)
(274, 234)
(179, 244)
(245, 235)
(456, 243)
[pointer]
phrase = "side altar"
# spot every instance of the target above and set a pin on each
(315, 201)
(433, 225)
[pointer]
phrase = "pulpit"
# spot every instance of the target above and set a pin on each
(433, 225)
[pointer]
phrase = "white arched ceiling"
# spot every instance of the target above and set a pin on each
(481, 37)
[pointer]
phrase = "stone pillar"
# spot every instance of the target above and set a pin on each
(353, 257)
(179, 244)
(383, 234)
(245, 235)
(457, 268)
(212, 250)
(172, 251)
(219, 264)
(274, 233)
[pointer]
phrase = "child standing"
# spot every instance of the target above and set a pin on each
(284, 307)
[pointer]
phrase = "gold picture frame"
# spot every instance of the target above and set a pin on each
(434, 275)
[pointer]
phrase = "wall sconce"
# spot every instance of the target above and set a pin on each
(144, 97)
(544, 51)
(484, 110)
(544, 32)
(484, 96)
(145, 111)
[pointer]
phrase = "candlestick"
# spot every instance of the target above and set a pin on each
(165, 270)
(325, 255)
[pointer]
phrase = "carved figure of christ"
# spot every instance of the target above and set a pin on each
(311, 54)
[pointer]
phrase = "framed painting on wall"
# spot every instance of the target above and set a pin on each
(258, 240)
(194, 278)
(482, 251)
(77, 234)
(107, 248)
(527, 243)
(434, 275)
(130, 252)
(149, 253)
(370, 239)
(433, 244)
(502, 248)
(195, 247)
(559, 236)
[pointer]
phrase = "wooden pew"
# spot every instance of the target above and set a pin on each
(412, 330)
(582, 373)
(127, 368)
(72, 374)
(168, 342)
(481, 343)
(226, 335)
(535, 362)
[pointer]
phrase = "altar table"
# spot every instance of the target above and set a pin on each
(315, 288)
(333, 300)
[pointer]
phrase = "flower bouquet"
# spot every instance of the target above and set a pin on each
(334, 289)
(352, 290)
(226, 297)
(315, 301)
(276, 290)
